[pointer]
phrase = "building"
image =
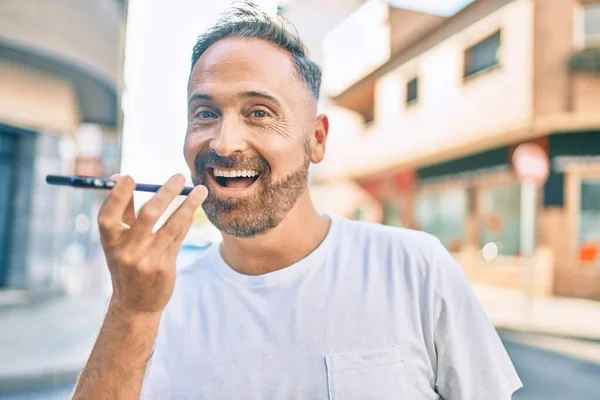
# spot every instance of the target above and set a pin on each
(60, 88)
(314, 20)
(444, 103)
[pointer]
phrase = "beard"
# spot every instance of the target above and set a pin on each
(263, 210)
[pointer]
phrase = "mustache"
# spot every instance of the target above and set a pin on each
(210, 159)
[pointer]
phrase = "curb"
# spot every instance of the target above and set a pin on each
(516, 328)
(17, 383)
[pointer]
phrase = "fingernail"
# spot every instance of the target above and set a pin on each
(115, 177)
(199, 192)
(179, 177)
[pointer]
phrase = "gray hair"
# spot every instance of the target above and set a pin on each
(248, 21)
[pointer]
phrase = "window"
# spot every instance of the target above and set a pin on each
(443, 213)
(589, 222)
(391, 214)
(501, 218)
(359, 215)
(8, 144)
(482, 56)
(412, 91)
(591, 25)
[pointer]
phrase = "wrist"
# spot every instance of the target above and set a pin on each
(132, 318)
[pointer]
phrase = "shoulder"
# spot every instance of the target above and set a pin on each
(407, 242)
(420, 255)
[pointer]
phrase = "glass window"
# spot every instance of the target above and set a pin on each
(7, 172)
(591, 25)
(412, 91)
(589, 222)
(483, 55)
(443, 213)
(391, 214)
(359, 215)
(501, 217)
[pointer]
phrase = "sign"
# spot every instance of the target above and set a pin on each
(561, 163)
(530, 163)
(465, 175)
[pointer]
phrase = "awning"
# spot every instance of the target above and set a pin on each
(80, 42)
(37, 101)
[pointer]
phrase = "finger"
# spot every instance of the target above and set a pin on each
(113, 210)
(173, 232)
(129, 214)
(154, 209)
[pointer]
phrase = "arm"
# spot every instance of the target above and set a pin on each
(117, 365)
(472, 362)
(142, 268)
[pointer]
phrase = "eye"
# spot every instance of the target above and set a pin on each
(205, 114)
(259, 114)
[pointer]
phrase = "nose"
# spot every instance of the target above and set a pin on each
(230, 138)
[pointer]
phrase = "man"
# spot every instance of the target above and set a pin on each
(292, 304)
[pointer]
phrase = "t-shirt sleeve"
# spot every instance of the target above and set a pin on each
(472, 362)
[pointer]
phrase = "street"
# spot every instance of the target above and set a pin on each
(53, 392)
(552, 376)
(546, 375)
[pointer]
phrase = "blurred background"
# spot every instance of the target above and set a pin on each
(477, 121)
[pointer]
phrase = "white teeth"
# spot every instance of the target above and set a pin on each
(235, 173)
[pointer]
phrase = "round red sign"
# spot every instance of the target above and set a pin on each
(531, 164)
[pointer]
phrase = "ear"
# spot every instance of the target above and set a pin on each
(318, 139)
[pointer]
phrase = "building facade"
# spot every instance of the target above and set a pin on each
(60, 87)
(445, 106)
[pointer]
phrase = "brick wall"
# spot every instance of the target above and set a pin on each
(556, 89)
(553, 44)
(569, 278)
(586, 93)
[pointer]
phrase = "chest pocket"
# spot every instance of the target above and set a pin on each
(373, 375)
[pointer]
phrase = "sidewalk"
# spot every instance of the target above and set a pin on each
(47, 341)
(555, 316)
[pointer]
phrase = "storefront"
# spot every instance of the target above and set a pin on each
(572, 204)
(396, 194)
(470, 202)
(52, 85)
(473, 205)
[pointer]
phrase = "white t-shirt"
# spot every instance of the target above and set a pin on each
(373, 313)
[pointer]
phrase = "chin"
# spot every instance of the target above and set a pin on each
(242, 223)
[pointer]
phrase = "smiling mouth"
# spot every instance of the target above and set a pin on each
(234, 179)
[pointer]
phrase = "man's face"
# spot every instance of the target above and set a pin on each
(250, 134)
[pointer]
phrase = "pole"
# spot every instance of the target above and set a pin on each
(527, 239)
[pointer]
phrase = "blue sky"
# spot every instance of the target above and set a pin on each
(441, 7)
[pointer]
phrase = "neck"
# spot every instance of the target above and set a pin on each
(298, 234)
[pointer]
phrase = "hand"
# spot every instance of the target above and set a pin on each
(142, 263)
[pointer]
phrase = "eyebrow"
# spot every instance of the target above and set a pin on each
(249, 94)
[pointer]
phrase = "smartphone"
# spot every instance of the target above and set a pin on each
(102, 183)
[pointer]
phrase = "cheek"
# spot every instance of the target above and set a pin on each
(283, 155)
(194, 143)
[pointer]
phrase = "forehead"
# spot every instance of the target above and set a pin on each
(241, 64)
